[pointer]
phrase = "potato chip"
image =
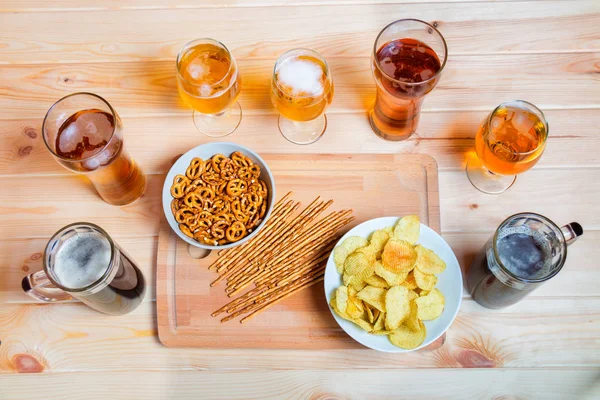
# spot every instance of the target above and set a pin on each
(380, 332)
(378, 240)
(408, 229)
(354, 282)
(397, 307)
(392, 278)
(358, 264)
(355, 308)
(379, 322)
(406, 338)
(424, 281)
(373, 296)
(410, 282)
(347, 247)
(370, 316)
(376, 281)
(412, 321)
(352, 291)
(389, 230)
(365, 325)
(430, 306)
(398, 256)
(341, 298)
(428, 262)
(376, 313)
(411, 294)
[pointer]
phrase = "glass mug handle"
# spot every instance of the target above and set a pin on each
(38, 286)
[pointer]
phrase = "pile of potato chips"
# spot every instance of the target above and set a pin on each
(389, 283)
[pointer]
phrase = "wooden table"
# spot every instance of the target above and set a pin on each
(545, 51)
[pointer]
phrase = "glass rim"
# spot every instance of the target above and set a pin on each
(546, 221)
(532, 107)
(188, 45)
(97, 281)
(391, 78)
(112, 135)
(283, 57)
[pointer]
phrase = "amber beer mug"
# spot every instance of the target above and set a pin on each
(209, 82)
(510, 140)
(301, 90)
(84, 134)
(409, 56)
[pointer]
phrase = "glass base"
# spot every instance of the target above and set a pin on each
(399, 135)
(485, 180)
(302, 132)
(219, 125)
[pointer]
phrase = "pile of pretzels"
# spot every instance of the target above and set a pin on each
(220, 200)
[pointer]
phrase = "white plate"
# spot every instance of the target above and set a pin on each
(449, 283)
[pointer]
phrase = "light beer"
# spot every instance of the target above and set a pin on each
(208, 78)
(301, 90)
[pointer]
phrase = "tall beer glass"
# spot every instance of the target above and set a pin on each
(409, 56)
(84, 134)
(209, 82)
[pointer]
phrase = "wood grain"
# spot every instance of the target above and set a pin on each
(38, 210)
(350, 30)
(447, 136)
(538, 333)
(359, 384)
(579, 278)
(114, 5)
(147, 88)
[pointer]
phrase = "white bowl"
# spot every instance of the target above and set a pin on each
(206, 151)
(449, 283)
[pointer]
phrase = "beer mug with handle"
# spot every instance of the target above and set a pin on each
(82, 261)
(527, 250)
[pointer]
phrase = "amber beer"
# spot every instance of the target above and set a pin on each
(406, 67)
(511, 139)
(90, 141)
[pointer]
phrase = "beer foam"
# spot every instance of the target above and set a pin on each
(302, 76)
(82, 259)
(525, 252)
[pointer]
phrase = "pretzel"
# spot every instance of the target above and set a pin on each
(216, 161)
(236, 187)
(193, 200)
(219, 200)
(235, 232)
(195, 168)
(218, 229)
(212, 178)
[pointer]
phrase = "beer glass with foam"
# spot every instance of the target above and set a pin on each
(301, 90)
(81, 261)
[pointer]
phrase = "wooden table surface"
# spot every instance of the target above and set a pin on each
(543, 51)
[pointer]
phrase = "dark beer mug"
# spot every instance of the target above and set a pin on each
(526, 250)
(82, 261)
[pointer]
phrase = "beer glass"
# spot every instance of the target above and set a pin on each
(82, 261)
(527, 250)
(510, 140)
(209, 82)
(301, 90)
(84, 134)
(408, 58)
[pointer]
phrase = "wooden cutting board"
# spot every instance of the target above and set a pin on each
(372, 185)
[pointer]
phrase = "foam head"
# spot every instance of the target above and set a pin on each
(301, 77)
(82, 259)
